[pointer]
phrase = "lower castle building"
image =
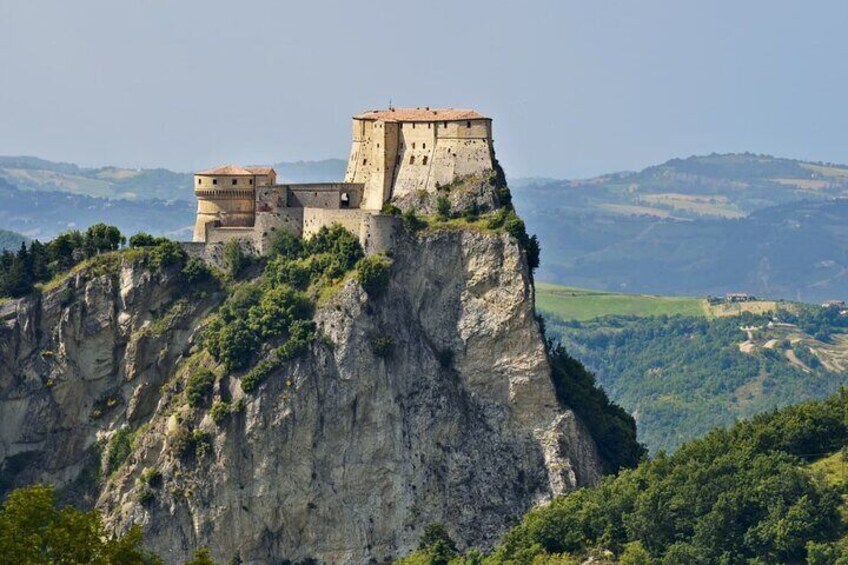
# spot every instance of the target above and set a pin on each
(394, 152)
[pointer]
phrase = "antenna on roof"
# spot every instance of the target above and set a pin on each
(390, 105)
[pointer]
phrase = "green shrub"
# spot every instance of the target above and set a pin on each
(383, 346)
(152, 477)
(235, 261)
(119, 449)
(373, 274)
(145, 496)
(199, 386)
(255, 376)
(277, 309)
(443, 208)
(219, 411)
(412, 222)
(301, 335)
(390, 209)
(166, 254)
(236, 345)
(284, 244)
(196, 272)
(192, 443)
(284, 271)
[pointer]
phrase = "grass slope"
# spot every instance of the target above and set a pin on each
(580, 304)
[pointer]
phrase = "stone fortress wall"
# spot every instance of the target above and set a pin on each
(393, 153)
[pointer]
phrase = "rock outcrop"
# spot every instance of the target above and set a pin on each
(430, 403)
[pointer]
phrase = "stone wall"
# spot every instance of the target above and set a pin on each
(395, 159)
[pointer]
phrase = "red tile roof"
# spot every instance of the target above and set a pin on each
(261, 170)
(230, 170)
(421, 115)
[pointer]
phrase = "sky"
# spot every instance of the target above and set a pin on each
(575, 88)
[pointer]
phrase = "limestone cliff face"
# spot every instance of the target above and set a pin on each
(344, 455)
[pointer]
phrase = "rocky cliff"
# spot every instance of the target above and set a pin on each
(432, 402)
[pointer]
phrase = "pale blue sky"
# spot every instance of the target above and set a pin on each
(575, 87)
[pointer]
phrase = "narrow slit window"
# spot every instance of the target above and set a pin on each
(425, 160)
(468, 124)
(412, 159)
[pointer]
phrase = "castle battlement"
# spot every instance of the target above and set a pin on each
(393, 153)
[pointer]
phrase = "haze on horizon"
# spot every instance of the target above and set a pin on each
(575, 88)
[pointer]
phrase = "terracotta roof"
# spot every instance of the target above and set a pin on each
(261, 170)
(231, 170)
(421, 115)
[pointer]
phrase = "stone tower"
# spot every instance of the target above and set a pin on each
(403, 150)
(226, 196)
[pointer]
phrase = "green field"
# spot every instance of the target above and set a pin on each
(579, 304)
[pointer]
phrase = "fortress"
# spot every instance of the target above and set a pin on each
(395, 152)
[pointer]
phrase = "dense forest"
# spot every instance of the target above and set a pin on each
(742, 495)
(682, 376)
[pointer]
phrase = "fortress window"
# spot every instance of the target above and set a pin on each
(235, 182)
(468, 124)
(425, 160)
(250, 181)
(413, 145)
(365, 161)
(445, 125)
(423, 146)
(413, 125)
(199, 181)
(214, 181)
(412, 159)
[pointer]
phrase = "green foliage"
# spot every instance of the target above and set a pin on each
(166, 254)
(220, 411)
(34, 531)
(119, 449)
(286, 245)
(373, 273)
(507, 220)
(390, 209)
(612, 428)
(39, 262)
(686, 375)
(152, 477)
(145, 495)
(412, 222)
(237, 343)
(196, 272)
(199, 386)
(280, 307)
(435, 547)
(201, 557)
(235, 260)
(191, 443)
(443, 208)
(736, 496)
(383, 346)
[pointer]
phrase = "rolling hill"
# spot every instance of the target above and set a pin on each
(682, 366)
(697, 226)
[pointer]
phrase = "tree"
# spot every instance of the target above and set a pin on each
(34, 531)
(201, 557)
(101, 238)
(234, 258)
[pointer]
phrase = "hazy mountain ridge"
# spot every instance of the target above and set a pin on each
(697, 226)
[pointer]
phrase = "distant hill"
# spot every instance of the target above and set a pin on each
(44, 214)
(697, 226)
(10, 240)
(41, 198)
(682, 366)
(34, 174)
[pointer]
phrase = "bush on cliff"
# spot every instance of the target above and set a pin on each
(374, 273)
